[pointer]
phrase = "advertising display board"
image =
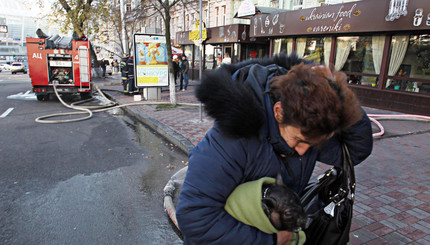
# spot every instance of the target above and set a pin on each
(150, 59)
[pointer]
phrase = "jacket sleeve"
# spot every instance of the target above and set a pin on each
(216, 167)
(358, 138)
(187, 66)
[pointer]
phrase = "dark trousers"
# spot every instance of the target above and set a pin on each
(175, 76)
(184, 77)
(130, 84)
(125, 85)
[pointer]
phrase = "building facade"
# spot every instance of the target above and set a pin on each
(20, 20)
(228, 27)
(383, 46)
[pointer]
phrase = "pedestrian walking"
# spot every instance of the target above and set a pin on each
(185, 66)
(103, 66)
(278, 115)
(115, 65)
(218, 60)
(176, 68)
(124, 73)
(227, 59)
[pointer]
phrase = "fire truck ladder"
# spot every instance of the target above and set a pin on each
(84, 68)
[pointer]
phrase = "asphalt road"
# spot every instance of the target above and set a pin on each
(97, 181)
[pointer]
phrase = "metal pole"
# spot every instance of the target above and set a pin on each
(123, 29)
(201, 53)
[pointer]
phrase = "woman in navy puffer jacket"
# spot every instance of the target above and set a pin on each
(271, 116)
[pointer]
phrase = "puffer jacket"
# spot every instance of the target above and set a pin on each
(124, 69)
(245, 145)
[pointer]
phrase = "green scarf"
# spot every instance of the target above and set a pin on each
(244, 204)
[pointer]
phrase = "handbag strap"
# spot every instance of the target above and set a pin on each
(322, 181)
(348, 167)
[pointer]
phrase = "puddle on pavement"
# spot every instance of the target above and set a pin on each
(165, 160)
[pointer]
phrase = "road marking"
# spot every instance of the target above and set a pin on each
(23, 96)
(6, 112)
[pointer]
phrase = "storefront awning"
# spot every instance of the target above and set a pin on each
(258, 10)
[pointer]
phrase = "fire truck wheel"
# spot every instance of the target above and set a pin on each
(85, 96)
(42, 97)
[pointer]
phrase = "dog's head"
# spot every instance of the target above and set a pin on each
(282, 206)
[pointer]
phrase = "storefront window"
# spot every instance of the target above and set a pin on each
(360, 54)
(188, 51)
(254, 51)
(236, 56)
(409, 60)
(283, 45)
(210, 62)
(196, 57)
(316, 49)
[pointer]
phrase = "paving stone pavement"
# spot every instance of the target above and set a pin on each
(393, 185)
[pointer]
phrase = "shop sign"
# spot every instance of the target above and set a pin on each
(3, 28)
(228, 34)
(182, 38)
(246, 8)
(195, 33)
(361, 16)
(150, 59)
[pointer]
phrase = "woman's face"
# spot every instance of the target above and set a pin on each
(294, 138)
(292, 135)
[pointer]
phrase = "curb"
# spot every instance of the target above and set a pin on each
(180, 141)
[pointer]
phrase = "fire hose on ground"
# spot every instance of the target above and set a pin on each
(91, 109)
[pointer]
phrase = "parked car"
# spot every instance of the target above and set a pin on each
(4, 66)
(108, 69)
(18, 67)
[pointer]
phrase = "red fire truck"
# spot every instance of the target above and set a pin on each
(61, 62)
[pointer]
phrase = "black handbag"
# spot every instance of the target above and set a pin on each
(328, 203)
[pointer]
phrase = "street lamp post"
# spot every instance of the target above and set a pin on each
(201, 53)
(123, 29)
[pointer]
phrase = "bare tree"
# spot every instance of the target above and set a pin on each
(163, 9)
(132, 22)
(80, 16)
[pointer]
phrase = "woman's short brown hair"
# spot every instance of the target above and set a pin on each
(315, 100)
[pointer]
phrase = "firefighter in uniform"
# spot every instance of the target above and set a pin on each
(130, 64)
(124, 73)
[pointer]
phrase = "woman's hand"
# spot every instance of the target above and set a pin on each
(283, 237)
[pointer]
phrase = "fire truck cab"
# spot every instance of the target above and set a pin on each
(60, 62)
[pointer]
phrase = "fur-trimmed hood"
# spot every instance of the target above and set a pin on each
(234, 94)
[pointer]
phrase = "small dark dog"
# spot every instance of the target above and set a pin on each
(282, 206)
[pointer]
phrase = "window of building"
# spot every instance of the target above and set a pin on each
(196, 56)
(409, 63)
(316, 49)
(210, 62)
(283, 45)
(217, 16)
(223, 15)
(360, 57)
(188, 51)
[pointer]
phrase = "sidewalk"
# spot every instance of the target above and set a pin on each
(393, 185)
